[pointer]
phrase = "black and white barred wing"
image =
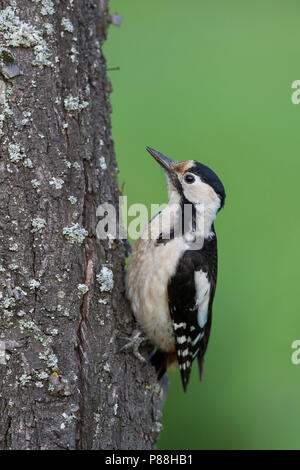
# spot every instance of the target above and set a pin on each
(190, 292)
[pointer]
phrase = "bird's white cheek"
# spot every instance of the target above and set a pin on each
(192, 193)
(200, 193)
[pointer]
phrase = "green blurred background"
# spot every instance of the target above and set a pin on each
(211, 81)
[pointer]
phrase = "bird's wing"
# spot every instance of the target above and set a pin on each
(191, 291)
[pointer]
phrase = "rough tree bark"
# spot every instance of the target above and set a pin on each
(63, 385)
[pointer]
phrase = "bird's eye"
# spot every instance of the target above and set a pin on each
(189, 179)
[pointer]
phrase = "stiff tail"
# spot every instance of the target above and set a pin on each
(201, 366)
(159, 360)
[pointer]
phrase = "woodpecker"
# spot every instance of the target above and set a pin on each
(172, 273)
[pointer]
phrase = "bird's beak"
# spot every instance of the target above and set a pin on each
(167, 164)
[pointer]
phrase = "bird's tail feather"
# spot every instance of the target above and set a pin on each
(201, 366)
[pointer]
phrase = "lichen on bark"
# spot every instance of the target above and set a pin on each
(64, 384)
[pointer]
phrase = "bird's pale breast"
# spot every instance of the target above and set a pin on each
(149, 270)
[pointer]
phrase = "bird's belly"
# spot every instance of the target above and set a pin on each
(154, 317)
(148, 273)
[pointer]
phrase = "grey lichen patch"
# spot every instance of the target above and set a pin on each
(26, 118)
(76, 166)
(69, 418)
(72, 199)
(106, 279)
(75, 234)
(21, 313)
(24, 379)
(15, 153)
(13, 267)
(41, 56)
(34, 284)
(30, 376)
(39, 384)
(29, 325)
(35, 184)
(102, 163)
(67, 163)
(47, 7)
(7, 303)
(49, 357)
(74, 54)
(19, 293)
(28, 163)
(56, 182)
(82, 289)
(5, 109)
(100, 320)
(156, 427)
(17, 33)
(42, 375)
(38, 224)
(97, 418)
(49, 29)
(106, 367)
(5, 112)
(2, 92)
(73, 103)
(66, 312)
(13, 247)
(67, 25)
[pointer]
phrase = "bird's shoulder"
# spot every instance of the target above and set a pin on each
(191, 261)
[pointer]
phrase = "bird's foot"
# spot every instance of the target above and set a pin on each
(134, 342)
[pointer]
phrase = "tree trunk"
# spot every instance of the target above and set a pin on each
(64, 384)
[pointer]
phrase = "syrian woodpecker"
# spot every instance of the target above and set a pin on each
(172, 273)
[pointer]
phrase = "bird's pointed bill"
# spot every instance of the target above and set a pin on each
(164, 161)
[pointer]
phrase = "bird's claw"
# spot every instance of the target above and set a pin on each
(134, 342)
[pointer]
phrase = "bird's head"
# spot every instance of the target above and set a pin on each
(192, 181)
